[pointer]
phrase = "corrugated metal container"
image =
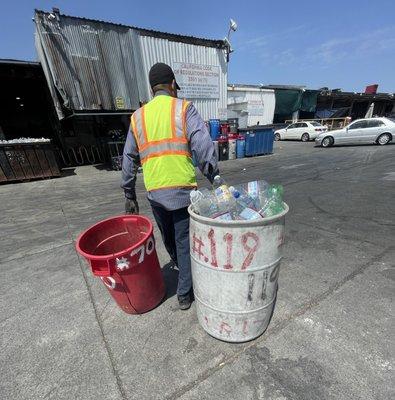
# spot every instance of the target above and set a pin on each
(25, 161)
(94, 65)
(254, 103)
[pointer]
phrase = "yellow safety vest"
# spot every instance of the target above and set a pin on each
(159, 128)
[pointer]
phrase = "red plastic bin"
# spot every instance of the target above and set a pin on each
(121, 251)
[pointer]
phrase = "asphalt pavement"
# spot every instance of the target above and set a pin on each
(331, 335)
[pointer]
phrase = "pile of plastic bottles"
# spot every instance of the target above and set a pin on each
(248, 201)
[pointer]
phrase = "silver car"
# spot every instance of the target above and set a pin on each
(360, 131)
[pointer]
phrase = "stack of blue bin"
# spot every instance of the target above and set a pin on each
(253, 141)
(215, 128)
(259, 140)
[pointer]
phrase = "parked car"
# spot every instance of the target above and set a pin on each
(369, 130)
(303, 131)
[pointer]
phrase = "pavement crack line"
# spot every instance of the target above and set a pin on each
(345, 217)
(33, 253)
(111, 358)
(338, 234)
(271, 331)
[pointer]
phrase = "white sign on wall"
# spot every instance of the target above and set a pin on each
(255, 108)
(197, 81)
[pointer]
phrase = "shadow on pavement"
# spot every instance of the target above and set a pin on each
(104, 167)
(170, 275)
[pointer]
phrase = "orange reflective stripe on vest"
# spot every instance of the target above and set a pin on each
(164, 147)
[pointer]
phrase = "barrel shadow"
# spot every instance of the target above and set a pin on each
(170, 275)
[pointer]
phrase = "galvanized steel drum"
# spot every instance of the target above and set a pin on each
(216, 148)
(232, 149)
(235, 268)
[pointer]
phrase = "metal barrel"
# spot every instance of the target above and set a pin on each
(235, 268)
(216, 148)
(232, 149)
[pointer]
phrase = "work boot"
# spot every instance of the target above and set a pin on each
(184, 301)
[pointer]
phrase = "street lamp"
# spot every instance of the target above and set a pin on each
(232, 27)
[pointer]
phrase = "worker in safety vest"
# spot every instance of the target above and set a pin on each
(164, 134)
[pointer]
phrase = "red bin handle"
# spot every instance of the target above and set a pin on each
(98, 269)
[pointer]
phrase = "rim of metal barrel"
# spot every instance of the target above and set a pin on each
(255, 222)
(120, 253)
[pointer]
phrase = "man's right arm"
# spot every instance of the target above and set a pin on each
(202, 146)
(130, 166)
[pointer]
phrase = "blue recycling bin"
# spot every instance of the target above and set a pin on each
(259, 141)
(215, 128)
(241, 147)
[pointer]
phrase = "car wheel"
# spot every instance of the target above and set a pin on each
(327, 141)
(383, 139)
(305, 137)
(277, 137)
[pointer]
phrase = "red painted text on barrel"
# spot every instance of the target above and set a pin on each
(250, 249)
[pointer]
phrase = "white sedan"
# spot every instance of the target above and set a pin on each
(303, 131)
(361, 131)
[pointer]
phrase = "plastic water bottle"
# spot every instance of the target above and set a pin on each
(225, 217)
(226, 201)
(258, 191)
(242, 197)
(273, 204)
(204, 202)
(253, 188)
(249, 214)
(245, 205)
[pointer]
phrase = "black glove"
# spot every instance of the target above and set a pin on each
(131, 206)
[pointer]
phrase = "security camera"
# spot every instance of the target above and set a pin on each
(233, 25)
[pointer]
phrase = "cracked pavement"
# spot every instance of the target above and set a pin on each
(331, 333)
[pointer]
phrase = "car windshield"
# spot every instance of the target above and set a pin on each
(315, 123)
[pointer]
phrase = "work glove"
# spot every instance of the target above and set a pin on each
(131, 206)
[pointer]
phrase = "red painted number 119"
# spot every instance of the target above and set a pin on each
(249, 243)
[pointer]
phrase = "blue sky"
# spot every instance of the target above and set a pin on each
(340, 44)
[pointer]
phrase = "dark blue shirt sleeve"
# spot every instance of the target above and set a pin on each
(130, 166)
(201, 145)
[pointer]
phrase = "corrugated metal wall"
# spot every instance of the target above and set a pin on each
(88, 64)
(266, 96)
(160, 50)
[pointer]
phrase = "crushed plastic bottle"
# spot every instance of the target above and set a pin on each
(225, 217)
(204, 202)
(256, 188)
(244, 202)
(273, 204)
(242, 197)
(225, 199)
(249, 214)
